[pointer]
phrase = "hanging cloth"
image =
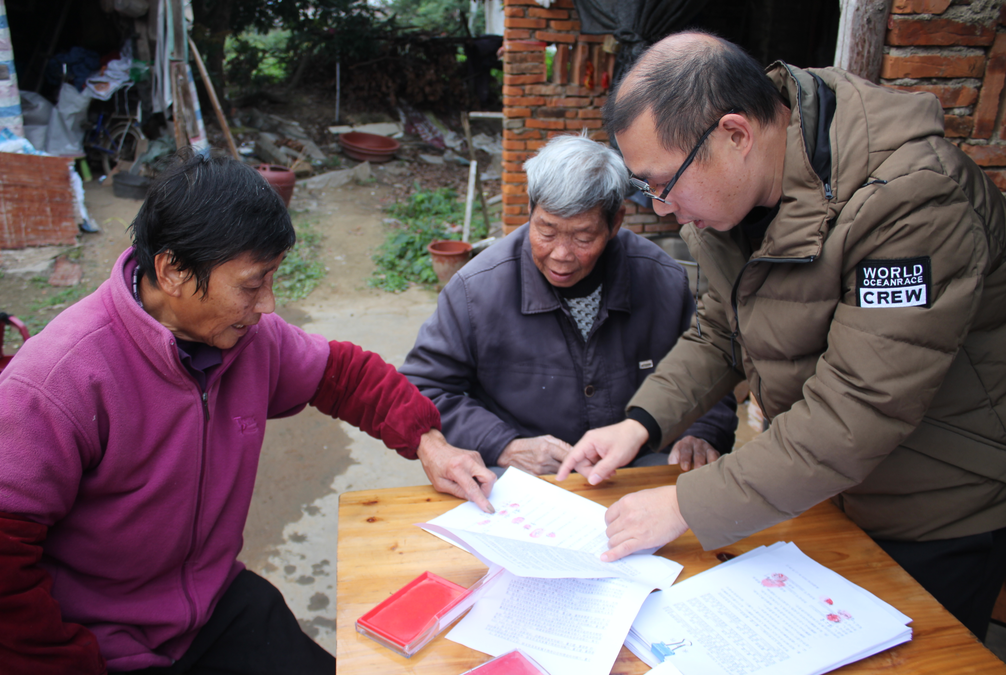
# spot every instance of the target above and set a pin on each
(636, 24)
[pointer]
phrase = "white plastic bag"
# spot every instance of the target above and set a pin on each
(66, 123)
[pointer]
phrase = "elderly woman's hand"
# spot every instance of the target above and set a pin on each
(454, 471)
(538, 456)
(692, 452)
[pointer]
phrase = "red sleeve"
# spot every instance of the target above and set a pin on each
(360, 388)
(33, 638)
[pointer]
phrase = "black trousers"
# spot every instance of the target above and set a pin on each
(251, 632)
(964, 574)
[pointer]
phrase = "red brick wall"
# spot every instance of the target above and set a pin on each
(955, 49)
(36, 201)
(537, 108)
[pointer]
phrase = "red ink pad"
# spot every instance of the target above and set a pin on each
(511, 663)
(419, 611)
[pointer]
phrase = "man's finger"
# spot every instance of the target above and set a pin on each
(603, 470)
(573, 460)
(622, 550)
(708, 457)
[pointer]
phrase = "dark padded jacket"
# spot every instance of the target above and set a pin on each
(503, 359)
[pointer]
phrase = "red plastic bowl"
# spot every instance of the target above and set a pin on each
(369, 147)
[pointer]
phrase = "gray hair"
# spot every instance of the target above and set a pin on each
(573, 174)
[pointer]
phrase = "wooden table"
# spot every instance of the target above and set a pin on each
(380, 550)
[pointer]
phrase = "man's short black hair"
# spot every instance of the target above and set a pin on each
(688, 87)
(206, 210)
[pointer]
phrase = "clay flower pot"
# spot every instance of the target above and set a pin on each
(281, 179)
(448, 257)
(368, 147)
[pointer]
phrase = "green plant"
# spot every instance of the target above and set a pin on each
(402, 258)
(301, 271)
(253, 58)
(65, 297)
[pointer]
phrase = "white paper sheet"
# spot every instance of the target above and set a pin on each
(569, 626)
(532, 559)
(530, 509)
(773, 610)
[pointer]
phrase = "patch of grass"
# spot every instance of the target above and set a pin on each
(329, 163)
(42, 310)
(301, 270)
(63, 298)
(403, 259)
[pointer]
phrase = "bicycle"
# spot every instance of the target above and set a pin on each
(111, 145)
(116, 136)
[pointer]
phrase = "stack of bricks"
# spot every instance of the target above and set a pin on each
(537, 108)
(36, 201)
(955, 49)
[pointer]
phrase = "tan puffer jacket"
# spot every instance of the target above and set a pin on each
(891, 401)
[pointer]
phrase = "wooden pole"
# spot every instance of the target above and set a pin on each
(178, 104)
(861, 29)
(213, 99)
(473, 172)
(478, 176)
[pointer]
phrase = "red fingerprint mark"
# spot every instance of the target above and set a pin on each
(774, 581)
(517, 521)
(484, 522)
(844, 614)
(537, 533)
(834, 618)
(528, 526)
(503, 512)
(826, 600)
(552, 534)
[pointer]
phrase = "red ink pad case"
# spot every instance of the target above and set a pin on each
(419, 611)
(511, 663)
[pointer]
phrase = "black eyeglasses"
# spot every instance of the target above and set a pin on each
(644, 187)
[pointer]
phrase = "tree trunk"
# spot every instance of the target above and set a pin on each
(860, 48)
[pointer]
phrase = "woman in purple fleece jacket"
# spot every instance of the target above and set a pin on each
(131, 429)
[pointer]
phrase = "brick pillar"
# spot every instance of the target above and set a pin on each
(957, 52)
(535, 108)
(523, 68)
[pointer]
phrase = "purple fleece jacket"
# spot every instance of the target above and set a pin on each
(158, 503)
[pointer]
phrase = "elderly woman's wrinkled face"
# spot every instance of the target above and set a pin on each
(565, 250)
(239, 293)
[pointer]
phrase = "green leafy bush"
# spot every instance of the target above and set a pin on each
(402, 258)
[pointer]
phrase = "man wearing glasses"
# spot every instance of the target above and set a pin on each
(856, 280)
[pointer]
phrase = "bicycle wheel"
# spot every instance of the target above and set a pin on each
(99, 149)
(125, 142)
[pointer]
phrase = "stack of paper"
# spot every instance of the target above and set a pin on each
(556, 601)
(771, 610)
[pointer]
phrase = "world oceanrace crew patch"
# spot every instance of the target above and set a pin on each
(894, 283)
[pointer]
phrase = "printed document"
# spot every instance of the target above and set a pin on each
(569, 626)
(557, 601)
(530, 509)
(771, 610)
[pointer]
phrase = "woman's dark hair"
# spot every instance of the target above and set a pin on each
(206, 210)
(688, 87)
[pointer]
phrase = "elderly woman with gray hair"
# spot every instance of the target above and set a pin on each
(549, 332)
